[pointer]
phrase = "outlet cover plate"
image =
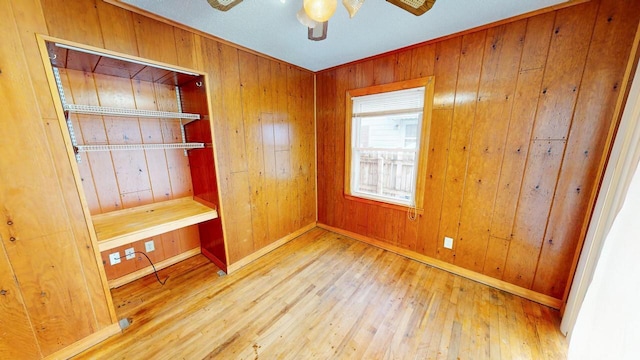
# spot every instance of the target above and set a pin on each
(114, 258)
(149, 246)
(448, 242)
(129, 253)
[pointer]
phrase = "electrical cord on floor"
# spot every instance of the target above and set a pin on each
(154, 267)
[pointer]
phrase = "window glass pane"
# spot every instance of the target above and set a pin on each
(387, 132)
(385, 142)
(387, 174)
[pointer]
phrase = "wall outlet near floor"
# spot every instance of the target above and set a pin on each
(129, 253)
(114, 258)
(448, 242)
(149, 246)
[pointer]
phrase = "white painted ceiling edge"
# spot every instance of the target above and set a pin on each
(270, 27)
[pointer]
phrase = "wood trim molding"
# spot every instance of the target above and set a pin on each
(471, 275)
(149, 269)
(267, 249)
(82, 345)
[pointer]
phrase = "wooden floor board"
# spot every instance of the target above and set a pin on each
(325, 296)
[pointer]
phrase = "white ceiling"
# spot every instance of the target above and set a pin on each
(270, 26)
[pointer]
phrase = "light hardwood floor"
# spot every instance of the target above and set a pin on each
(324, 296)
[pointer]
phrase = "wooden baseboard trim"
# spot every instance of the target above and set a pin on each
(149, 269)
(89, 341)
(267, 249)
(457, 270)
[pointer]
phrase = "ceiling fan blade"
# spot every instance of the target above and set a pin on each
(223, 5)
(416, 7)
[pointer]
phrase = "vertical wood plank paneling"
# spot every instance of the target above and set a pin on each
(422, 61)
(18, 338)
(307, 187)
(497, 250)
(248, 66)
(463, 117)
(343, 76)
(404, 65)
(30, 21)
(503, 51)
(144, 95)
(232, 109)
(383, 69)
(23, 183)
(102, 307)
(563, 73)
(327, 117)
(73, 20)
(533, 209)
(447, 59)
(295, 143)
(186, 48)
(155, 39)
(84, 169)
(130, 166)
(434, 186)
(59, 318)
(445, 70)
(118, 31)
(267, 121)
(209, 61)
(364, 74)
(282, 147)
(324, 161)
(177, 163)
(536, 43)
(616, 23)
(101, 174)
(525, 101)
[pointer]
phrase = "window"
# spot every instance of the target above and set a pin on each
(387, 127)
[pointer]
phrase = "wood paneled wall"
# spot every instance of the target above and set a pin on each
(264, 135)
(523, 113)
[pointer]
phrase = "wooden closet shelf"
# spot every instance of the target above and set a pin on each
(122, 227)
(109, 111)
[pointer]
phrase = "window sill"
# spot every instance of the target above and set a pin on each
(381, 203)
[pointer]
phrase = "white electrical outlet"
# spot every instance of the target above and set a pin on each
(129, 253)
(114, 258)
(149, 246)
(448, 242)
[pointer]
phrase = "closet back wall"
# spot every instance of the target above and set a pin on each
(522, 116)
